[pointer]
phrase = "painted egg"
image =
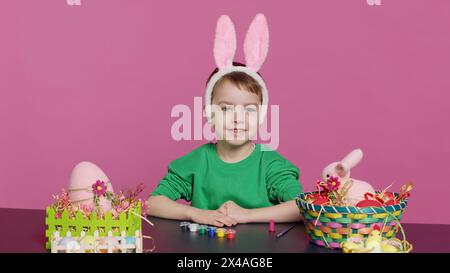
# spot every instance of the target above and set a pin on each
(115, 244)
(368, 203)
(389, 199)
(102, 246)
(73, 246)
(130, 240)
(319, 200)
(388, 248)
(391, 202)
(88, 240)
(64, 241)
(83, 176)
(113, 241)
(70, 244)
(349, 247)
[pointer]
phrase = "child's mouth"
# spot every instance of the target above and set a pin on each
(236, 130)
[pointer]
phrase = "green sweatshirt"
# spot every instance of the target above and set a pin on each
(262, 179)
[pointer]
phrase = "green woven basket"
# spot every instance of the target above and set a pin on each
(328, 226)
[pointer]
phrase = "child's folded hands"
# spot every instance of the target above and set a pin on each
(239, 214)
(228, 214)
(211, 217)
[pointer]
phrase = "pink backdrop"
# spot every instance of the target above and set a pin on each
(97, 82)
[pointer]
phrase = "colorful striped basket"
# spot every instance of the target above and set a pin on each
(328, 226)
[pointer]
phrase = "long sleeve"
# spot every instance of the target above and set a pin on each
(175, 185)
(282, 181)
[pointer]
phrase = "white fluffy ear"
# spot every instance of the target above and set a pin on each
(225, 42)
(353, 158)
(256, 44)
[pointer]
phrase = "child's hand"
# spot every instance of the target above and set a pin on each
(211, 217)
(236, 212)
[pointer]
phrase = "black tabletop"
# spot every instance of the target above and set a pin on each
(23, 230)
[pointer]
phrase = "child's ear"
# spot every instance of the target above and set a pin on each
(205, 114)
(210, 120)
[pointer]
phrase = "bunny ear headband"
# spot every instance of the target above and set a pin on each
(256, 46)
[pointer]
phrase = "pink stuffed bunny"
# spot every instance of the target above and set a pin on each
(342, 171)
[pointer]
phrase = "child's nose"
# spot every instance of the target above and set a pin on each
(239, 116)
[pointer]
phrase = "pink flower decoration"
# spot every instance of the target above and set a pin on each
(99, 188)
(85, 209)
(333, 183)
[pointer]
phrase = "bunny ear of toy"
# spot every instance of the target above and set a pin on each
(353, 158)
(225, 42)
(256, 44)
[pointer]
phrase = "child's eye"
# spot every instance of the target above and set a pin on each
(250, 109)
(226, 108)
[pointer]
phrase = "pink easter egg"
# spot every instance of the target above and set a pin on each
(83, 176)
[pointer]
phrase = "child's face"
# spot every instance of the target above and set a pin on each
(235, 113)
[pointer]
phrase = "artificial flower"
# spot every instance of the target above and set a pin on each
(99, 188)
(333, 183)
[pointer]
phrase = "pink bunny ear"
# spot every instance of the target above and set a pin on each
(225, 42)
(256, 42)
(353, 158)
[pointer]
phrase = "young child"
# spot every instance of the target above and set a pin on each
(234, 180)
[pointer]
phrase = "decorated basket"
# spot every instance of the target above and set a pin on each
(128, 222)
(329, 226)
